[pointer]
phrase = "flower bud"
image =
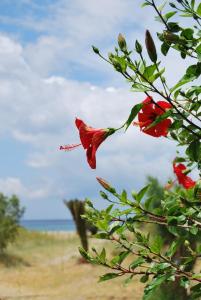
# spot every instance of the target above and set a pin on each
(172, 5)
(122, 42)
(186, 243)
(106, 185)
(96, 50)
(151, 49)
(103, 195)
(138, 47)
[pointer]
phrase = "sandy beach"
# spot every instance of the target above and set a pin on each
(45, 266)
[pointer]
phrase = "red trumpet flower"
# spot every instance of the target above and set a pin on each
(91, 139)
(182, 178)
(150, 111)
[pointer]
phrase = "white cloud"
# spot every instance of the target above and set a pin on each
(13, 185)
(38, 106)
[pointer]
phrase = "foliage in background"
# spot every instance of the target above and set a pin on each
(10, 214)
(77, 209)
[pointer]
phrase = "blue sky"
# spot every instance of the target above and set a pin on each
(48, 76)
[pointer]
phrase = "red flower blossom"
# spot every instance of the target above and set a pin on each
(91, 139)
(150, 112)
(182, 178)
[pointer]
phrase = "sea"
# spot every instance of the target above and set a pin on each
(48, 225)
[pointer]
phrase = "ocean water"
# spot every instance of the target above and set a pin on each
(48, 225)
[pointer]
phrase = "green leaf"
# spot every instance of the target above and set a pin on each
(165, 48)
(119, 258)
(137, 87)
(102, 235)
(124, 196)
(187, 33)
(157, 244)
(184, 282)
(173, 248)
(148, 72)
(194, 150)
(192, 73)
(135, 110)
(169, 15)
(145, 4)
(129, 279)
(154, 284)
(160, 118)
(161, 7)
(192, 4)
(198, 51)
(144, 278)
(84, 254)
(193, 230)
(108, 276)
(138, 262)
(199, 10)
(142, 193)
(102, 255)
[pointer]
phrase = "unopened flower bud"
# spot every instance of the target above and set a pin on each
(186, 243)
(96, 50)
(122, 42)
(172, 5)
(106, 185)
(138, 47)
(103, 195)
(151, 49)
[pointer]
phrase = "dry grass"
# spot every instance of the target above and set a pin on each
(46, 266)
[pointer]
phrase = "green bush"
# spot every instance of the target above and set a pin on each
(10, 213)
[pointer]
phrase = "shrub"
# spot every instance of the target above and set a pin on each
(10, 214)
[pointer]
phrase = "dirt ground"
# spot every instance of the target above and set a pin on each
(46, 266)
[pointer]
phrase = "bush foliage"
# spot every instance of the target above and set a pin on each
(10, 214)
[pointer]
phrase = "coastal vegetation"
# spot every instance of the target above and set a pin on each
(46, 266)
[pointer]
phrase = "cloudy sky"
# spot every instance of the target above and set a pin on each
(48, 76)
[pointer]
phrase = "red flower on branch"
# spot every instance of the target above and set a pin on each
(91, 139)
(182, 178)
(150, 111)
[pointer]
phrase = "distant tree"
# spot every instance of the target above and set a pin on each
(77, 209)
(10, 214)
